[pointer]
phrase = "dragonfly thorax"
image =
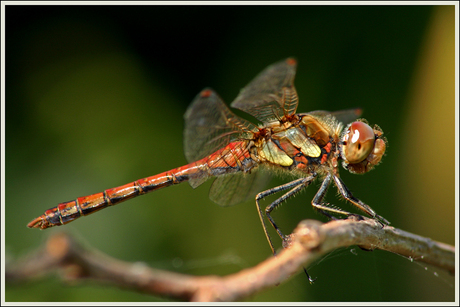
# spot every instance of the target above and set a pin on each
(303, 144)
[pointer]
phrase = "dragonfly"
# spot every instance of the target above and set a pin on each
(241, 156)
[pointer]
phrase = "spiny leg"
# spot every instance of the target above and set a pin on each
(318, 204)
(358, 203)
(296, 186)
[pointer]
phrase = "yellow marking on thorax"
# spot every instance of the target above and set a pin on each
(273, 154)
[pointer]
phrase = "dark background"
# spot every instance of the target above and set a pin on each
(95, 97)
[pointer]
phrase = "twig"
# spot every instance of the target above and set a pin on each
(310, 241)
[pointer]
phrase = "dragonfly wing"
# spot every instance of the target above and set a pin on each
(233, 189)
(210, 125)
(343, 116)
(271, 95)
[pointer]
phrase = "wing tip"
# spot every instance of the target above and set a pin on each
(291, 61)
(206, 93)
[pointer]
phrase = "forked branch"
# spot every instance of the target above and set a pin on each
(310, 241)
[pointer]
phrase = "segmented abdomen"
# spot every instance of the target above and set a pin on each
(229, 159)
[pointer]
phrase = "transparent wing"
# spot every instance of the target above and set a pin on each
(233, 189)
(343, 116)
(347, 116)
(271, 95)
(210, 125)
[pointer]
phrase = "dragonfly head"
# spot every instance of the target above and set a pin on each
(362, 147)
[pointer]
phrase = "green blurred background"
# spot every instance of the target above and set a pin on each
(95, 97)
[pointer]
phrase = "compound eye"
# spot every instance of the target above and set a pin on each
(358, 142)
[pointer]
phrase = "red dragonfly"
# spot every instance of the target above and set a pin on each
(220, 144)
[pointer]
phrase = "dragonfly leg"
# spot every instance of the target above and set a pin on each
(322, 207)
(311, 280)
(358, 203)
(295, 187)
